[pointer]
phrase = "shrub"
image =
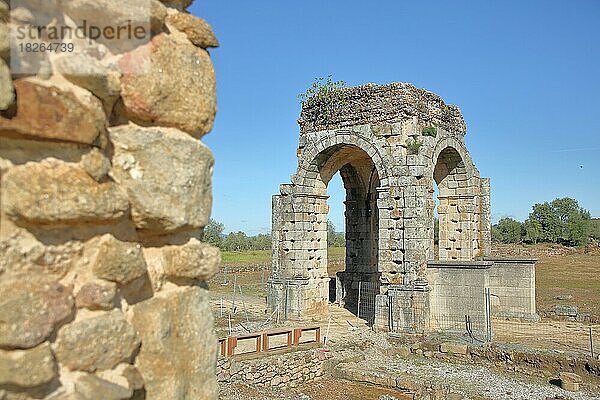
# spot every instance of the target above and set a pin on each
(413, 146)
(429, 131)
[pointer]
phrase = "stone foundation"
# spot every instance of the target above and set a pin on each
(281, 370)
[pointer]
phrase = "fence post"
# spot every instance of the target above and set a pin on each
(358, 309)
(234, 289)
(488, 314)
(591, 343)
(285, 310)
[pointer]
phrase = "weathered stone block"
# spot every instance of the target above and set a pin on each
(7, 91)
(160, 167)
(92, 387)
(177, 91)
(455, 348)
(90, 74)
(27, 368)
(31, 309)
(55, 110)
(96, 295)
(118, 261)
(96, 343)
(193, 260)
(178, 355)
(178, 4)
(197, 30)
(55, 193)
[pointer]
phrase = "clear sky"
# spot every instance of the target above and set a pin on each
(526, 75)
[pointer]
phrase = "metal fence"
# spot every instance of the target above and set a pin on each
(366, 301)
(566, 337)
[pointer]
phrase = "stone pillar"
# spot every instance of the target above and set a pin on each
(299, 283)
(486, 219)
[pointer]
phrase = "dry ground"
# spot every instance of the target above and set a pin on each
(562, 271)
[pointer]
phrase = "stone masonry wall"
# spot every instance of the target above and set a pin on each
(105, 191)
(281, 370)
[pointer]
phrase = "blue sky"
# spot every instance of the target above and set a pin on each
(526, 75)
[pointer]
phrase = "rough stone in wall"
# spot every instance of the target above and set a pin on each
(105, 189)
(282, 370)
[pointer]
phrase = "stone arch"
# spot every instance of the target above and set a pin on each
(459, 209)
(308, 159)
(364, 167)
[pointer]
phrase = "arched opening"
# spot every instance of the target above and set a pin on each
(360, 180)
(451, 206)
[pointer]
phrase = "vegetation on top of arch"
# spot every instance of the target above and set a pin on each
(324, 95)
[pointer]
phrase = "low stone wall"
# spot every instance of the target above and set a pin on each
(512, 285)
(279, 370)
(457, 289)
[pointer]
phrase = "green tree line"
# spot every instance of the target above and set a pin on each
(559, 221)
(239, 241)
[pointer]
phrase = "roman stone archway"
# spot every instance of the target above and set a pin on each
(300, 280)
(392, 144)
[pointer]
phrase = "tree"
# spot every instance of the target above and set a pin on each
(595, 228)
(213, 233)
(260, 242)
(561, 221)
(545, 220)
(236, 241)
(334, 239)
(508, 230)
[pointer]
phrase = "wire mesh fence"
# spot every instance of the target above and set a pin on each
(558, 336)
(239, 302)
(366, 301)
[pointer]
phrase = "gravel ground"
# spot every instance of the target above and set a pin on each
(471, 380)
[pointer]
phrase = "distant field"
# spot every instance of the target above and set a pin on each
(559, 271)
(250, 256)
(264, 256)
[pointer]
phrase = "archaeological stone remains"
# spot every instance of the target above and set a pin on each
(394, 145)
(105, 191)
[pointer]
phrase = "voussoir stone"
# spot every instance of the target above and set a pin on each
(170, 82)
(178, 356)
(197, 30)
(193, 260)
(92, 387)
(167, 176)
(55, 111)
(55, 193)
(96, 295)
(96, 343)
(7, 91)
(118, 261)
(27, 368)
(30, 310)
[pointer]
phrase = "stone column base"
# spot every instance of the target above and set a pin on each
(296, 298)
(404, 308)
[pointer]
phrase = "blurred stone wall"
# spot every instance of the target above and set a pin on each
(105, 191)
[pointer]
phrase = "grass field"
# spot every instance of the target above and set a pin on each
(560, 271)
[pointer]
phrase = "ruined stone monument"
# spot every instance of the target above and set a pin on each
(392, 145)
(105, 191)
